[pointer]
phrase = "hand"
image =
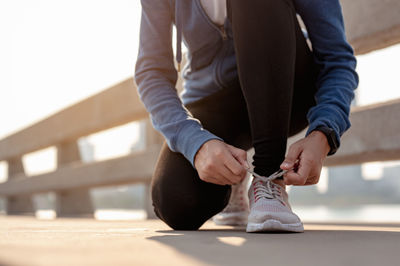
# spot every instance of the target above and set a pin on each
(220, 163)
(311, 153)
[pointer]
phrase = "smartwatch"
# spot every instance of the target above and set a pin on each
(331, 137)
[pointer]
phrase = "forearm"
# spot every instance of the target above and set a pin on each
(156, 77)
(337, 78)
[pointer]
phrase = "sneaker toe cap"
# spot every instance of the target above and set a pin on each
(285, 217)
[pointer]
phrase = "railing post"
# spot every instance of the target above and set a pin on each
(152, 137)
(18, 205)
(76, 202)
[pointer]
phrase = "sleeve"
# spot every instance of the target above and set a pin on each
(337, 77)
(156, 78)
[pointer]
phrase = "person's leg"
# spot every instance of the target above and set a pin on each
(277, 75)
(180, 198)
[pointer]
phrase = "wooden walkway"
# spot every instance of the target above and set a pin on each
(27, 241)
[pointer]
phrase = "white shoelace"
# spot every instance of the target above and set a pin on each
(264, 188)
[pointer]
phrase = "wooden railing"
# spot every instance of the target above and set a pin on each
(371, 24)
(73, 178)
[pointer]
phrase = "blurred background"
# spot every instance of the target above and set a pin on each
(56, 53)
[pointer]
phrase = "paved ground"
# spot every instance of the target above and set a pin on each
(27, 241)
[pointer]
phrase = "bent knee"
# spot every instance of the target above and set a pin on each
(180, 217)
(182, 213)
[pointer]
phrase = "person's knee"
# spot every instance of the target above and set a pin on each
(177, 212)
(183, 219)
(179, 215)
(186, 211)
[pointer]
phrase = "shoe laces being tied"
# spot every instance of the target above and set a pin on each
(265, 188)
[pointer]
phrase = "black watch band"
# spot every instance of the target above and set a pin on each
(331, 137)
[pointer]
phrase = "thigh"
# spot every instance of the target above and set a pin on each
(306, 72)
(180, 197)
(224, 114)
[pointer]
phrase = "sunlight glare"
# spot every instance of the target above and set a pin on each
(372, 171)
(40, 162)
(3, 171)
(322, 186)
(114, 214)
(115, 142)
(232, 240)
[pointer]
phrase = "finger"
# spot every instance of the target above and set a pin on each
(293, 178)
(233, 179)
(240, 155)
(234, 167)
(222, 179)
(312, 181)
(215, 178)
(216, 181)
(314, 177)
(305, 168)
(211, 175)
(300, 178)
(220, 173)
(292, 156)
(210, 179)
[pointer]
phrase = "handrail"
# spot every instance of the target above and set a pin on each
(112, 107)
(371, 24)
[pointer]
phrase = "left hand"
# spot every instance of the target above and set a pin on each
(310, 152)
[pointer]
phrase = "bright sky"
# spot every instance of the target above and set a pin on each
(55, 53)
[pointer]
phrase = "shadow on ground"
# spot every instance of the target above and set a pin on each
(346, 246)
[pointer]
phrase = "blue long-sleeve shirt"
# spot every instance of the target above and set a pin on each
(211, 66)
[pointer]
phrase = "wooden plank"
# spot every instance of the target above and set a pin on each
(371, 24)
(374, 135)
(133, 168)
(115, 106)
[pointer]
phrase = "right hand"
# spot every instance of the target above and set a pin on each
(220, 163)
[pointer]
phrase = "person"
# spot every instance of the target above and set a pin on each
(251, 80)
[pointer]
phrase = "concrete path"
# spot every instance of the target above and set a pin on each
(27, 241)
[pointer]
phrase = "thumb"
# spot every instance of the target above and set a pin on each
(240, 155)
(292, 157)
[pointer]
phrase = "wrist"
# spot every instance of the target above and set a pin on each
(330, 137)
(202, 149)
(322, 138)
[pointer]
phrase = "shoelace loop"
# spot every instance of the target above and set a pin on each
(264, 188)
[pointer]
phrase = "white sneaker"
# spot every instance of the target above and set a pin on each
(237, 210)
(270, 209)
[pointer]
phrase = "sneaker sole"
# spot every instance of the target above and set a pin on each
(274, 226)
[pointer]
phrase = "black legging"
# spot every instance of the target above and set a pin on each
(277, 86)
